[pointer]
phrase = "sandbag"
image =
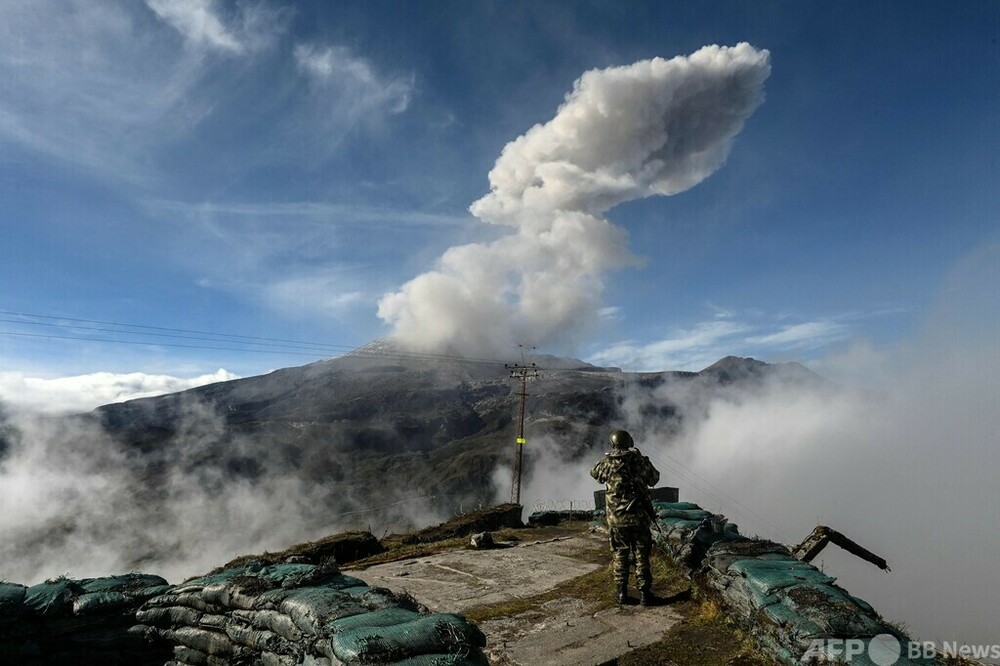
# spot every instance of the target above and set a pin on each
(800, 628)
(49, 598)
(99, 602)
(124, 583)
(676, 506)
(832, 609)
(259, 639)
(274, 621)
(431, 634)
(171, 616)
(242, 592)
(769, 576)
(272, 659)
(11, 600)
(684, 514)
(310, 608)
(380, 618)
(186, 655)
(209, 642)
(173, 598)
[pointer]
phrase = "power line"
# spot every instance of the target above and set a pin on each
(104, 329)
(295, 347)
(151, 344)
(163, 328)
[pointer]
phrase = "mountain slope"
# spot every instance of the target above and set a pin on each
(376, 417)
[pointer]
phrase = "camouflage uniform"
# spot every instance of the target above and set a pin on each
(627, 473)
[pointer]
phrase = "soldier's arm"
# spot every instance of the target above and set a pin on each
(599, 471)
(650, 474)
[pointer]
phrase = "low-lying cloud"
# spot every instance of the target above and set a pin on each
(80, 501)
(81, 393)
(656, 127)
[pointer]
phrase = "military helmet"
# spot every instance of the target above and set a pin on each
(620, 439)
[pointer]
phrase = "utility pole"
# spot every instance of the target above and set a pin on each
(520, 371)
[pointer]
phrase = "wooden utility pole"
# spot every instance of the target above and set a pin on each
(523, 372)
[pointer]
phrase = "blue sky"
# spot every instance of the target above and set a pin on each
(272, 170)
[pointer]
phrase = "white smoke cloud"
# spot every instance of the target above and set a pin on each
(654, 127)
(80, 393)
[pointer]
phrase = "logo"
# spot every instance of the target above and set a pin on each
(886, 650)
(883, 650)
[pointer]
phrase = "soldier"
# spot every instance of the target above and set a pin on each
(628, 474)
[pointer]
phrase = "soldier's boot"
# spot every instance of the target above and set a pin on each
(646, 596)
(621, 593)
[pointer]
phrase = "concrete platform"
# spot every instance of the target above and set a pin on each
(559, 632)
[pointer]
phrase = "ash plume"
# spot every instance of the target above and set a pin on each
(655, 127)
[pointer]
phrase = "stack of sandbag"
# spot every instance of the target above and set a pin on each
(792, 609)
(796, 608)
(65, 621)
(687, 531)
(288, 614)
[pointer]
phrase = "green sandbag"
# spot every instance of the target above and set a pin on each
(801, 628)
(48, 599)
(475, 659)
(124, 583)
(676, 506)
(380, 618)
(11, 600)
(311, 607)
(832, 609)
(681, 523)
(769, 576)
(692, 514)
(99, 602)
(195, 584)
(430, 634)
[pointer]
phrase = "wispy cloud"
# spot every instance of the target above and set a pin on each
(88, 83)
(691, 348)
(729, 332)
(336, 67)
(80, 393)
(806, 335)
(109, 86)
(198, 21)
